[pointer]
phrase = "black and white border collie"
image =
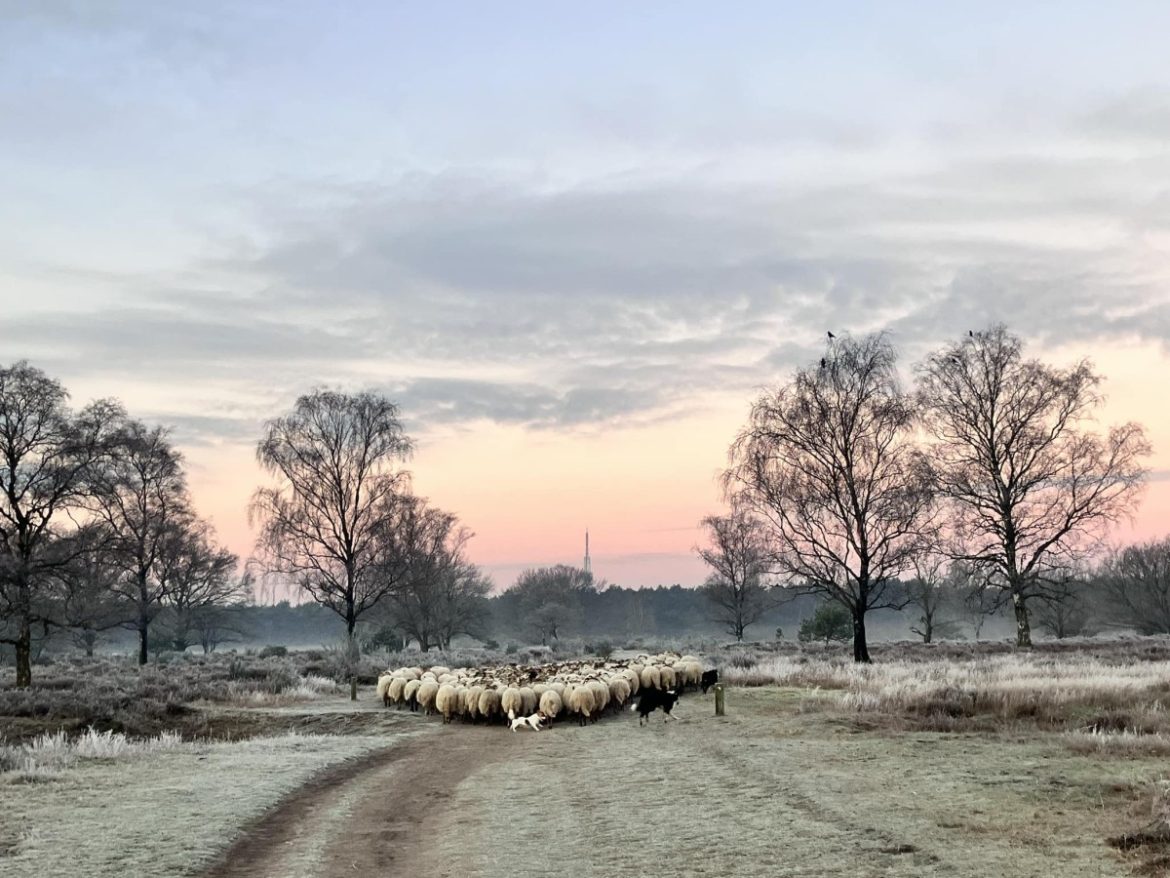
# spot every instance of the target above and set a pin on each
(651, 700)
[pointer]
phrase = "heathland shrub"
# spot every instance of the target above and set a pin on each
(273, 651)
(53, 751)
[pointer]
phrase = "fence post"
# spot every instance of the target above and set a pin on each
(353, 688)
(718, 699)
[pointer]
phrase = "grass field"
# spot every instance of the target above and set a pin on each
(1006, 765)
(782, 786)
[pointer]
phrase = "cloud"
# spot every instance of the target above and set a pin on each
(476, 295)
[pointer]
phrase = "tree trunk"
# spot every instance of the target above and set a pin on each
(1023, 627)
(143, 640)
(860, 647)
(24, 654)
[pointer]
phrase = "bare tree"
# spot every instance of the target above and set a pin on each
(140, 494)
(549, 599)
(201, 580)
(828, 462)
(440, 594)
(1066, 606)
(46, 457)
(1135, 588)
(88, 603)
(738, 557)
(1029, 486)
(217, 625)
(930, 592)
(336, 458)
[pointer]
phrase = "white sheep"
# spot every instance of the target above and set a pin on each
(489, 704)
(447, 701)
(666, 678)
(425, 696)
(384, 682)
(600, 695)
(551, 704)
(651, 677)
(511, 703)
(528, 701)
(581, 703)
(619, 691)
(410, 693)
(473, 694)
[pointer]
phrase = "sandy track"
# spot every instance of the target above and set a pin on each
(353, 820)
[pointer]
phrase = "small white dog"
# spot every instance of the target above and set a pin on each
(533, 722)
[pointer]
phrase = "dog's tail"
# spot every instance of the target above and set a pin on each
(633, 708)
(511, 714)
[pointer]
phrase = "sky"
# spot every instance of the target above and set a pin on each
(571, 241)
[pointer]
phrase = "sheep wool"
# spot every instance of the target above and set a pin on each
(633, 679)
(410, 693)
(619, 691)
(550, 704)
(651, 678)
(511, 704)
(600, 695)
(581, 703)
(489, 704)
(394, 690)
(666, 678)
(447, 701)
(473, 702)
(384, 682)
(528, 701)
(426, 696)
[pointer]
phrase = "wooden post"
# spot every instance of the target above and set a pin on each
(353, 688)
(718, 699)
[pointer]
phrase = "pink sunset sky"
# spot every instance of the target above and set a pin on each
(571, 244)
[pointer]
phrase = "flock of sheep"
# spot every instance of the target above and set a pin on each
(579, 689)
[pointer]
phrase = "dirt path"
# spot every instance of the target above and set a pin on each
(357, 819)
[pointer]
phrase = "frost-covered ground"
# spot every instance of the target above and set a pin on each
(163, 811)
(781, 786)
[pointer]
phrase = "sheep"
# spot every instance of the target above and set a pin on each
(551, 704)
(581, 703)
(425, 696)
(538, 689)
(489, 704)
(619, 691)
(473, 702)
(667, 679)
(651, 677)
(410, 693)
(384, 682)
(447, 701)
(528, 701)
(600, 695)
(439, 670)
(694, 674)
(633, 679)
(394, 691)
(511, 703)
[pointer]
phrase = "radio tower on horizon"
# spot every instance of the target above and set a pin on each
(588, 563)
